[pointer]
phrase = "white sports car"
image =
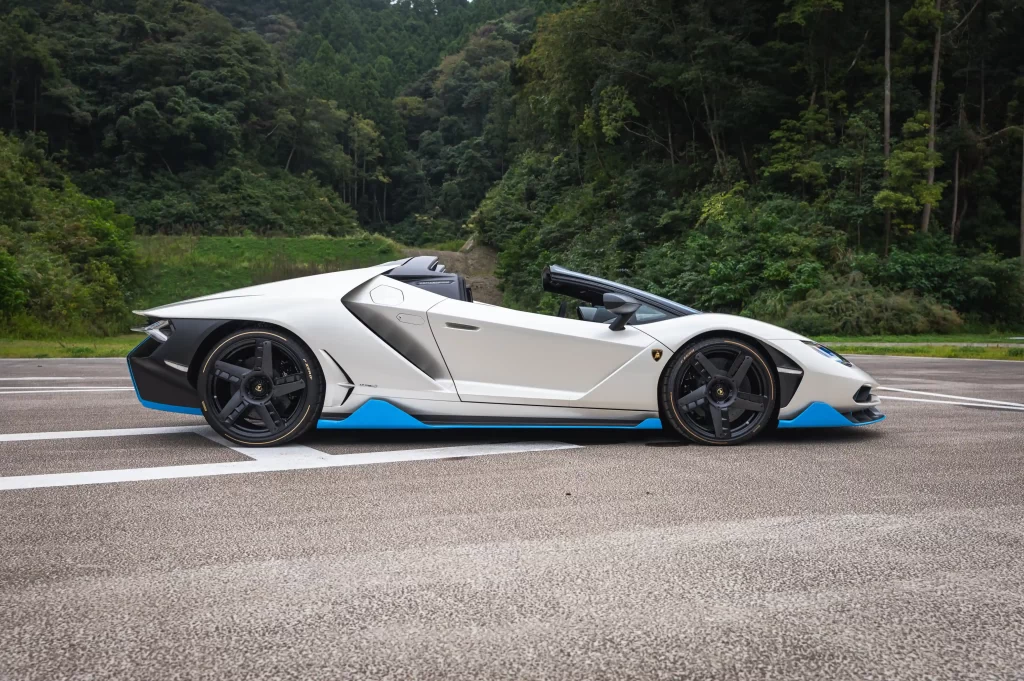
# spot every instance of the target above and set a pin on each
(403, 345)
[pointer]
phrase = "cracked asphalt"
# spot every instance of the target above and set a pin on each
(893, 551)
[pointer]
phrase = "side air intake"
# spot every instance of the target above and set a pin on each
(347, 384)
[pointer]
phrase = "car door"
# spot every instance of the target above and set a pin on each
(499, 355)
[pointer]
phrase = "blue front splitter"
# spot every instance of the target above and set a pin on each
(821, 415)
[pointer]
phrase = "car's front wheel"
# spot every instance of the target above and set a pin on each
(260, 387)
(718, 391)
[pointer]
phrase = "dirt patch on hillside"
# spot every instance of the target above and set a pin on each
(476, 263)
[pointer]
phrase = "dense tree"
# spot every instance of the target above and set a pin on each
(779, 158)
(777, 113)
(65, 259)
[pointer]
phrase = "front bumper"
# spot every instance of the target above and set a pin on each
(160, 370)
(157, 385)
(826, 384)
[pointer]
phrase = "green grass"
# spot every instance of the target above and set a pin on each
(950, 339)
(949, 351)
(180, 267)
(113, 346)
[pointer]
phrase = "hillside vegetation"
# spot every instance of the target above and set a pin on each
(835, 166)
(177, 268)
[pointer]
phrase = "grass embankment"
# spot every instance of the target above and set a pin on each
(957, 346)
(176, 267)
(112, 346)
(949, 351)
(179, 267)
(950, 339)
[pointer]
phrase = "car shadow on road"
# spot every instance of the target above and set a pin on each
(414, 439)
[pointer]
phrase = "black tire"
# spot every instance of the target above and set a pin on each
(718, 391)
(254, 404)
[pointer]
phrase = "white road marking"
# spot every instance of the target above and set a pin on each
(952, 397)
(262, 453)
(68, 378)
(295, 460)
(955, 404)
(64, 390)
(115, 432)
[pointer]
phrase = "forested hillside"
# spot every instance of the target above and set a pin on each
(837, 166)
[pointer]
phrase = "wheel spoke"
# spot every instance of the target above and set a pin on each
(264, 357)
(749, 402)
(230, 372)
(234, 408)
(720, 419)
(288, 384)
(692, 400)
(268, 414)
(738, 373)
(708, 366)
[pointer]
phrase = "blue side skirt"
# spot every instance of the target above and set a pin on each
(378, 415)
(821, 415)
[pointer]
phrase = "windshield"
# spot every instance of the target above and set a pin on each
(559, 280)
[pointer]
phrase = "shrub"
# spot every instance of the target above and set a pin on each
(66, 260)
(866, 311)
(12, 286)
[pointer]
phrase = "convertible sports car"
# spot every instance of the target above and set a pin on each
(403, 345)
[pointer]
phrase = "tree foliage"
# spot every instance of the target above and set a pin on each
(727, 153)
(65, 258)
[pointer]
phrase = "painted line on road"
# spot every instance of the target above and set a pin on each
(273, 462)
(68, 378)
(114, 432)
(955, 404)
(952, 397)
(64, 390)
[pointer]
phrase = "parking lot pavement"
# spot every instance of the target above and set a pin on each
(894, 551)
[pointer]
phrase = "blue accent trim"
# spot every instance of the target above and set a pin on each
(381, 415)
(156, 405)
(821, 415)
(194, 411)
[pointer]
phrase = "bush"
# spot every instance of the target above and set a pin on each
(66, 260)
(984, 287)
(866, 311)
(233, 200)
(12, 286)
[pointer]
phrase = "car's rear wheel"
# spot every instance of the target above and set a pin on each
(260, 387)
(718, 391)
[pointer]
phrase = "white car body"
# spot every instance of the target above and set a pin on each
(379, 339)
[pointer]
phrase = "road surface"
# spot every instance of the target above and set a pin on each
(153, 551)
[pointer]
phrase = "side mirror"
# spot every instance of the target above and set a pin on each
(622, 307)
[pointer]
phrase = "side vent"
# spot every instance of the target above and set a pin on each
(863, 395)
(347, 385)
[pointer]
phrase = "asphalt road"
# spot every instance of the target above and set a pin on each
(894, 551)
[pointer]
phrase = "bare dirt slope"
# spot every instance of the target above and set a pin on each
(474, 261)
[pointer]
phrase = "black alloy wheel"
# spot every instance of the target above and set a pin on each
(259, 388)
(720, 391)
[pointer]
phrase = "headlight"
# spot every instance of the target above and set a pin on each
(159, 331)
(831, 354)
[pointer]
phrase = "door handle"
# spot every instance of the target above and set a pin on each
(461, 327)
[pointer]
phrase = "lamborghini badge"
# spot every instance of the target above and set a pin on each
(656, 354)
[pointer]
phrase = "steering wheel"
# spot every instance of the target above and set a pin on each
(563, 309)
